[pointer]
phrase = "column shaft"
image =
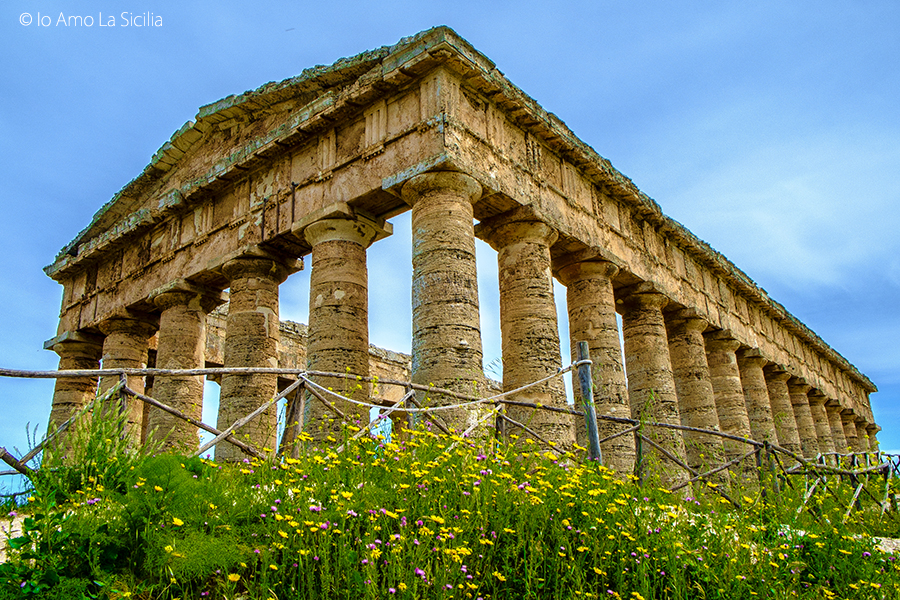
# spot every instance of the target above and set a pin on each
(833, 409)
(338, 319)
(651, 385)
(125, 346)
(71, 394)
(782, 410)
(873, 430)
(528, 325)
(181, 345)
(848, 421)
(756, 397)
(251, 340)
(806, 427)
(862, 435)
(696, 399)
(446, 345)
(592, 318)
(820, 418)
(730, 404)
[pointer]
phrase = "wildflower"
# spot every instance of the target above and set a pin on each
(157, 488)
(233, 577)
(499, 576)
(177, 522)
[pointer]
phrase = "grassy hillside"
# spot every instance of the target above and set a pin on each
(426, 517)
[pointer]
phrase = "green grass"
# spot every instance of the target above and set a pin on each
(428, 517)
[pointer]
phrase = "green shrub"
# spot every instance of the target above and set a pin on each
(431, 517)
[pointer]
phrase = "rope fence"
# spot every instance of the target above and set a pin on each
(817, 473)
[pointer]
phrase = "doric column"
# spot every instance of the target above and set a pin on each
(125, 346)
(782, 410)
(528, 326)
(833, 409)
(696, 399)
(251, 340)
(820, 419)
(862, 435)
(726, 380)
(848, 421)
(756, 395)
(77, 352)
(338, 317)
(592, 319)
(181, 345)
(873, 430)
(806, 427)
(446, 327)
(651, 385)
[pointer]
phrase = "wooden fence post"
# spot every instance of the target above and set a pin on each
(639, 455)
(761, 473)
(587, 401)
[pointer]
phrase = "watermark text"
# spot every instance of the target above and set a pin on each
(123, 19)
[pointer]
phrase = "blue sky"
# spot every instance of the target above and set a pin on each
(770, 129)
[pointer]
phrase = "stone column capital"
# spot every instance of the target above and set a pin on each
(816, 397)
(138, 325)
(593, 269)
(776, 373)
(721, 341)
(341, 230)
(688, 324)
(76, 344)
(646, 300)
(798, 385)
(256, 266)
(872, 428)
(184, 293)
(501, 232)
(440, 181)
(746, 359)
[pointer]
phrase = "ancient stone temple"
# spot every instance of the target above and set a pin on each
(317, 165)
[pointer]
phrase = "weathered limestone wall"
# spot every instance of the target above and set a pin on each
(431, 124)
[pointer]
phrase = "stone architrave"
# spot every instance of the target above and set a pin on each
(726, 380)
(833, 409)
(806, 427)
(77, 352)
(338, 319)
(251, 340)
(651, 384)
(125, 346)
(592, 319)
(756, 395)
(782, 409)
(820, 418)
(528, 326)
(848, 422)
(696, 398)
(181, 345)
(446, 325)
